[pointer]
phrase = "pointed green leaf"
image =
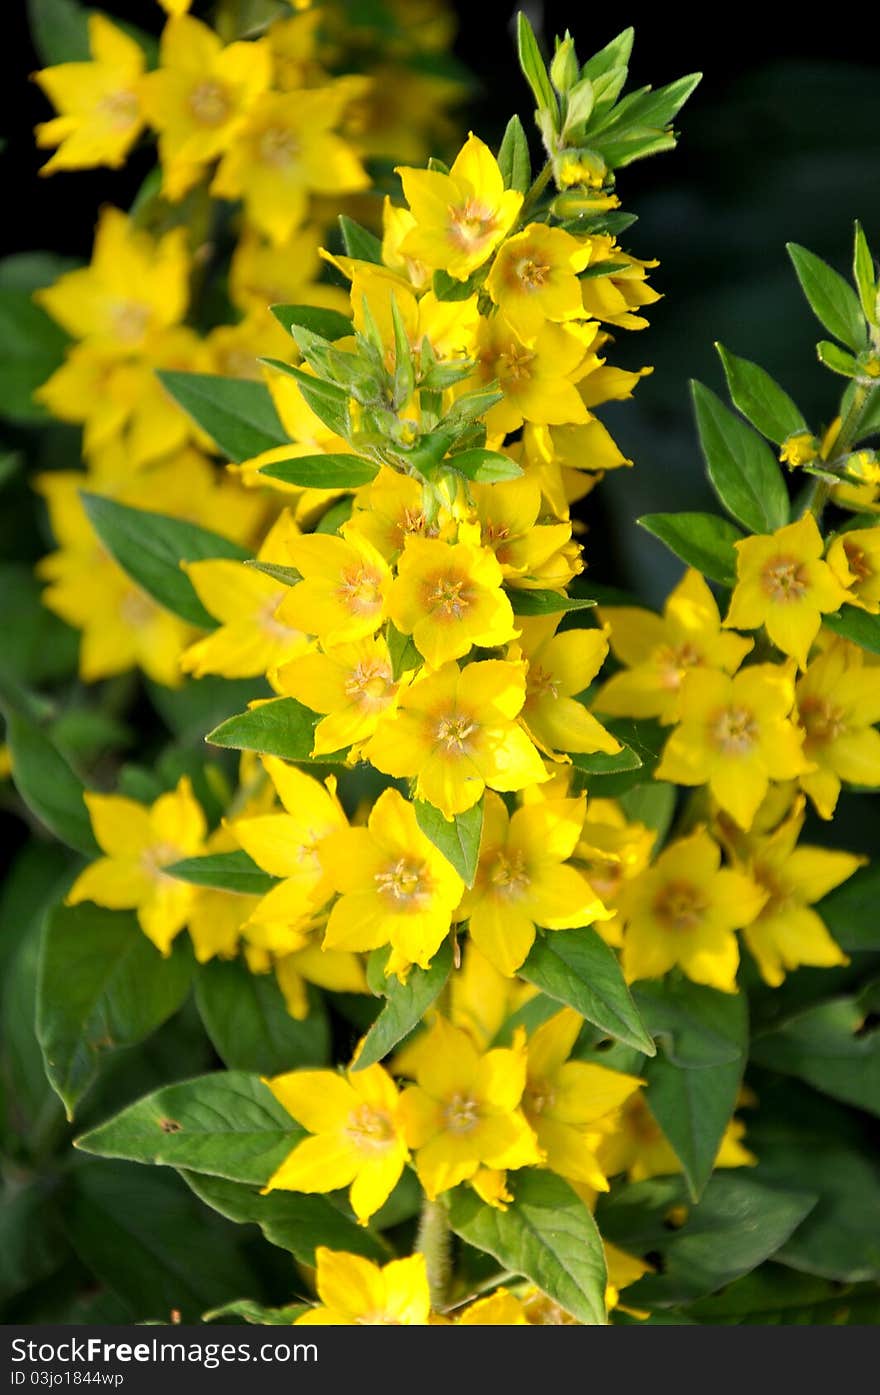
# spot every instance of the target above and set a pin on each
(695, 1025)
(832, 300)
(829, 1047)
(405, 1006)
(514, 160)
(327, 400)
(760, 399)
(364, 246)
(46, 783)
(103, 986)
(546, 1234)
(255, 1313)
(329, 324)
(702, 540)
(458, 838)
(864, 274)
(529, 602)
(280, 727)
(577, 967)
(323, 471)
(850, 911)
(741, 467)
(485, 466)
(533, 68)
(288, 576)
(224, 871)
(150, 548)
(837, 359)
(857, 625)
(237, 413)
(601, 763)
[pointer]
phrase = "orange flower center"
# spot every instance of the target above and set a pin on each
(785, 579)
(370, 684)
(672, 660)
(404, 884)
(680, 905)
(160, 855)
(471, 224)
(277, 146)
(448, 595)
(452, 732)
(268, 623)
(540, 683)
(857, 561)
(822, 721)
(210, 102)
(531, 275)
(515, 364)
(508, 875)
(361, 590)
(130, 320)
(119, 109)
(538, 1097)
(370, 1129)
(734, 731)
(136, 609)
(462, 1113)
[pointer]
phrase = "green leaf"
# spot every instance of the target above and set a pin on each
(323, 471)
(247, 1019)
(31, 348)
(458, 838)
(290, 1220)
(514, 160)
(651, 804)
(237, 413)
(737, 1225)
(329, 324)
(288, 576)
(225, 871)
(141, 1233)
(103, 986)
(405, 1006)
(694, 1104)
(545, 602)
(250, 1311)
(855, 624)
(364, 246)
(693, 1025)
(228, 1124)
(532, 65)
(46, 783)
(869, 421)
(577, 967)
(485, 466)
(546, 1234)
(832, 300)
(830, 1048)
(775, 1296)
(613, 56)
(804, 1140)
(863, 274)
(60, 30)
(446, 287)
(280, 727)
(610, 776)
(837, 359)
(150, 548)
(404, 654)
(850, 911)
(702, 540)
(603, 763)
(759, 398)
(327, 400)
(741, 467)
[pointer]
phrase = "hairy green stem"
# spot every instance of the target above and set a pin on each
(535, 192)
(433, 1241)
(821, 490)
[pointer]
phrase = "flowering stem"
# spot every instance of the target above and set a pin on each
(433, 1241)
(535, 192)
(818, 497)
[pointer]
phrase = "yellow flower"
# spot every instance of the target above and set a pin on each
(523, 879)
(138, 842)
(455, 732)
(99, 112)
(801, 448)
(249, 639)
(395, 887)
(449, 597)
(397, 223)
(561, 665)
(285, 151)
(199, 96)
(838, 702)
(388, 511)
(288, 845)
(659, 651)
(331, 969)
(736, 736)
(639, 1148)
(355, 1292)
(538, 379)
(534, 278)
(500, 1309)
(342, 596)
(352, 683)
(449, 326)
(460, 218)
(854, 558)
(684, 911)
(611, 852)
(614, 298)
(571, 1105)
(789, 932)
(783, 584)
(464, 1113)
(261, 274)
(531, 553)
(568, 461)
(135, 285)
(357, 1138)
